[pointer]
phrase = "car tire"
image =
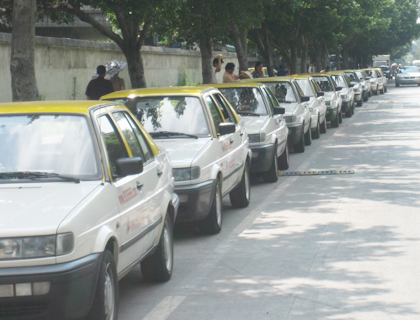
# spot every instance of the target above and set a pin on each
(335, 122)
(158, 266)
(300, 146)
(105, 302)
(386, 88)
(340, 116)
(317, 131)
(241, 195)
(323, 127)
(359, 103)
(284, 159)
(382, 91)
(272, 175)
(212, 224)
(366, 98)
(308, 136)
(377, 91)
(349, 113)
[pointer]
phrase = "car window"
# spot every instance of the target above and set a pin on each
(283, 91)
(273, 100)
(298, 89)
(306, 87)
(371, 73)
(245, 100)
(227, 112)
(352, 76)
(324, 83)
(114, 146)
(316, 86)
(409, 69)
(339, 80)
(215, 112)
(173, 114)
(128, 134)
(360, 75)
(145, 147)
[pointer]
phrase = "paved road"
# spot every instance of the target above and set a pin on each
(310, 247)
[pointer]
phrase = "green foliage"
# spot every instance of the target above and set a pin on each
(183, 79)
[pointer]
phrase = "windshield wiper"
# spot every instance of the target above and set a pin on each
(248, 113)
(171, 133)
(35, 175)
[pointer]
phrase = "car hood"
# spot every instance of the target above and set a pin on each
(328, 95)
(182, 151)
(255, 124)
(291, 108)
(31, 209)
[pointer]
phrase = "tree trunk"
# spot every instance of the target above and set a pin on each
(338, 59)
(22, 64)
(240, 40)
(293, 57)
(345, 59)
(206, 50)
(304, 54)
(135, 67)
(318, 57)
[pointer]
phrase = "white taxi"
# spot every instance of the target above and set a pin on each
(346, 91)
(316, 103)
(85, 195)
(265, 123)
(207, 143)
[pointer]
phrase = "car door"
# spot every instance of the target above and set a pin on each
(277, 123)
(228, 161)
(134, 194)
(306, 114)
(322, 107)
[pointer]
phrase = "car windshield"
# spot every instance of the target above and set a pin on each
(51, 144)
(306, 87)
(324, 83)
(245, 100)
(282, 90)
(371, 73)
(352, 76)
(170, 114)
(360, 75)
(409, 69)
(339, 80)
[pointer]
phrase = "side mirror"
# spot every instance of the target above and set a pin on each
(320, 93)
(226, 128)
(279, 110)
(305, 99)
(129, 166)
(339, 88)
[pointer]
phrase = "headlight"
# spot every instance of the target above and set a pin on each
(291, 119)
(184, 174)
(36, 247)
(327, 103)
(344, 97)
(259, 137)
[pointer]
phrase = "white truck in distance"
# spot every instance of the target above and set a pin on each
(381, 60)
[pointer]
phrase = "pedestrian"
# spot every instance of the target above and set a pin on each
(327, 69)
(311, 68)
(229, 76)
(117, 83)
(282, 72)
(217, 67)
(257, 73)
(100, 86)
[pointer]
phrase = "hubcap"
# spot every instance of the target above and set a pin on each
(167, 248)
(218, 207)
(109, 294)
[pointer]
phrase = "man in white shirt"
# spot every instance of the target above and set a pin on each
(311, 68)
(217, 66)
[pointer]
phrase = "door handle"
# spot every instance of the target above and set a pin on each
(231, 141)
(159, 173)
(139, 186)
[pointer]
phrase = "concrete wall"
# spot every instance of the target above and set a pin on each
(59, 61)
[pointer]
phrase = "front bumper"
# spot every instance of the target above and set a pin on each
(331, 112)
(72, 289)
(195, 201)
(262, 157)
(295, 132)
(407, 81)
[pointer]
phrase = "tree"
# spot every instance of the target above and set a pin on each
(22, 64)
(131, 18)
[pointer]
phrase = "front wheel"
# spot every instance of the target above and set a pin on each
(213, 223)
(300, 146)
(359, 103)
(284, 158)
(308, 136)
(158, 266)
(272, 175)
(349, 113)
(105, 303)
(241, 195)
(323, 127)
(317, 131)
(335, 122)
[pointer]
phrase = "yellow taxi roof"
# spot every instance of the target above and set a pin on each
(186, 90)
(239, 84)
(336, 73)
(268, 79)
(78, 106)
(317, 74)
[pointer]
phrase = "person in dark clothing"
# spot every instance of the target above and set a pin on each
(100, 86)
(257, 73)
(282, 72)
